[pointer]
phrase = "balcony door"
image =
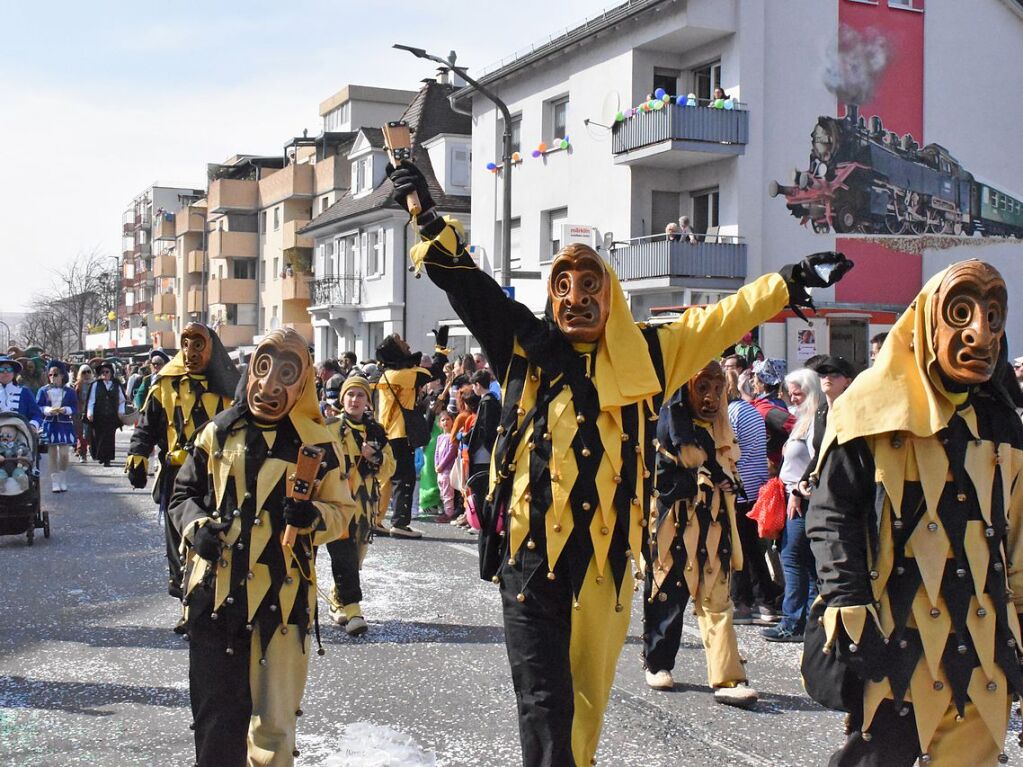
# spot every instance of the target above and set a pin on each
(705, 210)
(665, 209)
(706, 79)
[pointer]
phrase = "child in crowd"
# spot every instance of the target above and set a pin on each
(443, 460)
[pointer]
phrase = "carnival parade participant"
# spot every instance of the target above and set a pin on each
(367, 462)
(59, 405)
(15, 398)
(397, 392)
(83, 383)
(251, 598)
(157, 359)
(185, 393)
(694, 542)
(569, 469)
(104, 411)
(917, 529)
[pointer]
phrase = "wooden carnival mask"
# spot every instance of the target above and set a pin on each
(969, 321)
(196, 347)
(580, 293)
(277, 375)
(705, 391)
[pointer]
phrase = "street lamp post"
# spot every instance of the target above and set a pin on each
(117, 300)
(506, 152)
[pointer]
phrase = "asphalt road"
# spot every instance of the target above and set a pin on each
(90, 672)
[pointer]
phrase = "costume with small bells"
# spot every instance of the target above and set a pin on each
(183, 396)
(365, 477)
(249, 600)
(917, 530)
(694, 541)
(59, 404)
(569, 468)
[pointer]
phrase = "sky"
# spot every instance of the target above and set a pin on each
(99, 100)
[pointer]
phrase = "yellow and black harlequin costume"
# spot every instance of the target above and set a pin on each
(250, 613)
(917, 527)
(365, 478)
(568, 473)
(177, 406)
(693, 547)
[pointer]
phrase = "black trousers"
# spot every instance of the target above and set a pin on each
(538, 633)
(478, 483)
(753, 584)
(171, 535)
(662, 621)
(218, 686)
(893, 739)
(103, 440)
(403, 481)
(344, 566)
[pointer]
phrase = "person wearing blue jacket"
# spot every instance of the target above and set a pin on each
(15, 398)
(59, 405)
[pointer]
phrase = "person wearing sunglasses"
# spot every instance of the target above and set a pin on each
(59, 403)
(15, 398)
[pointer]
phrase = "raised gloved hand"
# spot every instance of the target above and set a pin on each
(300, 514)
(442, 333)
(137, 469)
(206, 540)
(818, 270)
(407, 178)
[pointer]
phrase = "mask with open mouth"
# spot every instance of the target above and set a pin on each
(277, 375)
(705, 390)
(969, 322)
(580, 293)
(196, 347)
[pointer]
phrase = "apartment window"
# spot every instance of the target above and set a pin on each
(262, 222)
(261, 272)
(555, 219)
(705, 210)
(275, 321)
(246, 314)
(277, 268)
(459, 166)
(231, 314)
(559, 118)
(277, 218)
(376, 251)
(706, 79)
(324, 203)
(666, 79)
(516, 241)
(516, 134)
(907, 5)
(243, 268)
(326, 259)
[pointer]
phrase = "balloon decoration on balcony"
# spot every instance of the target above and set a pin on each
(660, 99)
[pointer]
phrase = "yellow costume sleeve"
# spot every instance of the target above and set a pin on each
(703, 333)
(334, 501)
(388, 465)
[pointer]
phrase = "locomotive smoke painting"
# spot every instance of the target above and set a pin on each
(865, 179)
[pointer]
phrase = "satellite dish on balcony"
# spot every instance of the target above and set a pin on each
(599, 126)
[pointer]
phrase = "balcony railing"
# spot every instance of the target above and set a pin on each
(292, 239)
(164, 303)
(229, 290)
(345, 290)
(694, 129)
(228, 195)
(196, 259)
(194, 302)
(723, 258)
(286, 183)
(164, 228)
(190, 219)
(295, 287)
(165, 266)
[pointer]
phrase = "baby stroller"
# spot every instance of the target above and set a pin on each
(20, 508)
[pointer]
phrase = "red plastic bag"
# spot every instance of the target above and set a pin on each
(769, 511)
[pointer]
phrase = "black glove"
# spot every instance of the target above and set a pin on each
(137, 475)
(442, 334)
(819, 270)
(407, 178)
(300, 514)
(207, 542)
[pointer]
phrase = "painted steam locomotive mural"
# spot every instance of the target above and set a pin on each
(865, 179)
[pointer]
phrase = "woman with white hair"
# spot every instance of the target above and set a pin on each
(804, 389)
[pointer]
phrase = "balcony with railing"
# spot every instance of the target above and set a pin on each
(195, 261)
(190, 219)
(229, 195)
(331, 173)
(225, 244)
(680, 136)
(165, 266)
(296, 287)
(165, 227)
(343, 290)
(164, 303)
(711, 256)
(293, 181)
(194, 301)
(228, 290)
(292, 239)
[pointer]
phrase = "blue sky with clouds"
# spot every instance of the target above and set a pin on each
(101, 99)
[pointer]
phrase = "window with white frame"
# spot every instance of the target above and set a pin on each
(907, 5)
(516, 134)
(459, 166)
(326, 258)
(554, 219)
(706, 79)
(277, 218)
(376, 244)
(559, 117)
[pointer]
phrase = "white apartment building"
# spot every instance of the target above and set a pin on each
(628, 176)
(362, 290)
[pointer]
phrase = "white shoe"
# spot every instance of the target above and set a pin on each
(357, 626)
(337, 614)
(63, 482)
(742, 695)
(55, 482)
(659, 680)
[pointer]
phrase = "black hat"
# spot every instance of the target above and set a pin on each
(839, 365)
(105, 365)
(159, 354)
